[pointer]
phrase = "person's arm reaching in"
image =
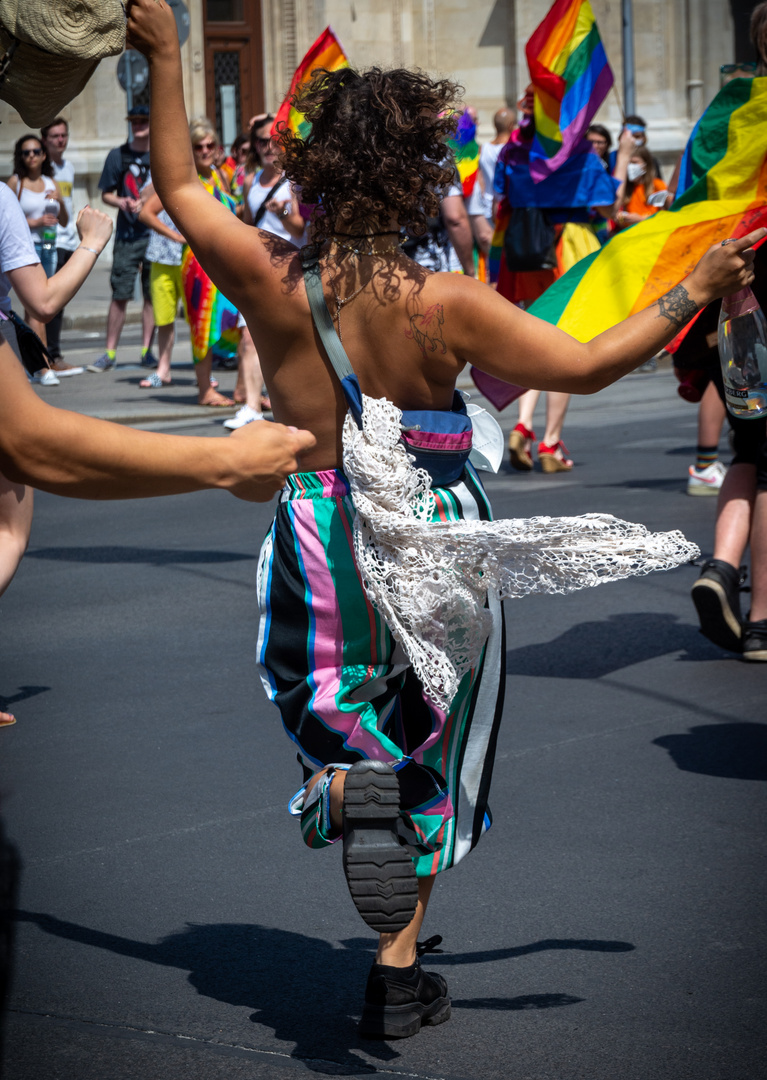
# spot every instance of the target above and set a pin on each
(70, 454)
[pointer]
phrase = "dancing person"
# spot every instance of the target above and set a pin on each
(124, 174)
(33, 185)
(351, 699)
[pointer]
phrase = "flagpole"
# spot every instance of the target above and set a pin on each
(628, 57)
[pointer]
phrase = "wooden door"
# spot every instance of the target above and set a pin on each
(234, 64)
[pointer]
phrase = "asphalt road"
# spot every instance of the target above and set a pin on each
(610, 926)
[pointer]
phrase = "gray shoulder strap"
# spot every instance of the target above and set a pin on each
(322, 319)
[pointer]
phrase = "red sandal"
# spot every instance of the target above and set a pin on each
(550, 462)
(518, 453)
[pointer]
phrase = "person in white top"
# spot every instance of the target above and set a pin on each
(55, 137)
(270, 204)
(33, 185)
(481, 208)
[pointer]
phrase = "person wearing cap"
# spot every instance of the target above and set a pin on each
(637, 128)
(125, 172)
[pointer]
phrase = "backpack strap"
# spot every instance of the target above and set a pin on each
(331, 342)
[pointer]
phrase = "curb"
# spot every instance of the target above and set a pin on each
(91, 321)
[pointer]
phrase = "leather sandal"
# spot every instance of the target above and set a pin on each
(518, 453)
(554, 458)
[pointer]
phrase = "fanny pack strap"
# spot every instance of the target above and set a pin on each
(330, 340)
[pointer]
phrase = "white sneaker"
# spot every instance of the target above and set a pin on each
(46, 377)
(68, 369)
(706, 481)
(243, 416)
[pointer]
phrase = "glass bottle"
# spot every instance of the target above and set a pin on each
(743, 355)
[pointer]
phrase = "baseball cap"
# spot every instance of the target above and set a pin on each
(139, 112)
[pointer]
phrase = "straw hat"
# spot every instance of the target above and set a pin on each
(51, 48)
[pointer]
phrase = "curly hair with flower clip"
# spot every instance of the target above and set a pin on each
(376, 149)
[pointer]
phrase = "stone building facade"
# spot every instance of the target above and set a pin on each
(240, 55)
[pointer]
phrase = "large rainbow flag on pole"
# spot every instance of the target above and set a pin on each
(326, 52)
(571, 78)
(726, 195)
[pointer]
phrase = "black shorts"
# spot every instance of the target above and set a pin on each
(127, 259)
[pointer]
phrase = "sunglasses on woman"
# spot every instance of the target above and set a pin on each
(203, 148)
(32, 153)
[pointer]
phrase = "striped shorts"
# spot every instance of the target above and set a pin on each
(344, 686)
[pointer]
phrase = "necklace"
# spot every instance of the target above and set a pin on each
(341, 300)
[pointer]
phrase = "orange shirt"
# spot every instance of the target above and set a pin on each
(637, 204)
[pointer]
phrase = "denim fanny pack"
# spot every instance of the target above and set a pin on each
(440, 440)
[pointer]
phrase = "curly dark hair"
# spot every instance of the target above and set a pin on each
(19, 162)
(376, 149)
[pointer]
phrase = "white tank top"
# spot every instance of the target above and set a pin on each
(32, 203)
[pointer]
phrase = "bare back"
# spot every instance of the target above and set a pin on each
(392, 331)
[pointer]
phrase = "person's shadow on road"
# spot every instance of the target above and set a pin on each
(591, 650)
(308, 991)
(736, 751)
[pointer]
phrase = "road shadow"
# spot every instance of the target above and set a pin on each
(116, 553)
(287, 979)
(736, 751)
(23, 693)
(591, 650)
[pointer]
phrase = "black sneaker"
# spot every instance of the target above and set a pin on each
(149, 359)
(755, 640)
(379, 871)
(399, 1001)
(716, 595)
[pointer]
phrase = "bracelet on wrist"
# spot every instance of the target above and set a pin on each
(95, 252)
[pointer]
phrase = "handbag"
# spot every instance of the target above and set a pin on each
(530, 240)
(34, 354)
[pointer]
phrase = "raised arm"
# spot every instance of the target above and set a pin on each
(228, 251)
(71, 454)
(498, 338)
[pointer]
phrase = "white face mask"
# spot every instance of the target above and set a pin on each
(635, 171)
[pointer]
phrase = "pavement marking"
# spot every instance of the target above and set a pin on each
(127, 1031)
(154, 837)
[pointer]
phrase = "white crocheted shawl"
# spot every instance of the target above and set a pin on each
(430, 579)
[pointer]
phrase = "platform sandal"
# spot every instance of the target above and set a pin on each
(550, 462)
(518, 454)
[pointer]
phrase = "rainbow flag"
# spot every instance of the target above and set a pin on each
(466, 152)
(571, 78)
(726, 196)
(327, 53)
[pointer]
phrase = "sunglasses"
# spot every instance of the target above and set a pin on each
(729, 69)
(204, 147)
(263, 141)
(32, 153)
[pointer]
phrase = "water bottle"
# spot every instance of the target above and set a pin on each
(743, 355)
(49, 231)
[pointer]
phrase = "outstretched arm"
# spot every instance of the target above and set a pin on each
(227, 249)
(498, 338)
(70, 454)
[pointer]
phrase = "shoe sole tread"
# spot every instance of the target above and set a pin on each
(379, 870)
(718, 621)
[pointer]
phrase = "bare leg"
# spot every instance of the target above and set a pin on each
(396, 950)
(759, 558)
(15, 524)
(207, 395)
(556, 407)
(147, 324)
(527, 405)
(166, 335)
(115, 322)
(734, 510)
(250, 371)
(711, 414)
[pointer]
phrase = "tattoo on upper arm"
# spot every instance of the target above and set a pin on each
(677, 307)
(426, 330)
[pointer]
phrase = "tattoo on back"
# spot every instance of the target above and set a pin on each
(426, 330)
(677, 307)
